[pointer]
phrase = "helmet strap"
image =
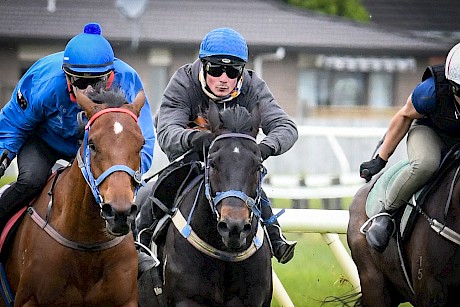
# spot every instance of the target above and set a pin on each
(72, 96)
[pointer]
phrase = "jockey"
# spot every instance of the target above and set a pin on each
(431, 120)
(39, 123)
(219, 75)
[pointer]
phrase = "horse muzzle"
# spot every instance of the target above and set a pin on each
(234, 233)
(118, 223)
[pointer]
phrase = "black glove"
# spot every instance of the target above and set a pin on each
(200, 140)
(372, 167)
(265, 151)
(4, 162)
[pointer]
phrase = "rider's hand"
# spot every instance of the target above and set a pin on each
(265, 151)
(4, 162)
(372, 167)
(201, 140)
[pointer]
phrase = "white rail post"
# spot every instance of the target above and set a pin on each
(279, 293)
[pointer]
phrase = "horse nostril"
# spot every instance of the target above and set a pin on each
(247, 228)
(107, 212)
(222, 227)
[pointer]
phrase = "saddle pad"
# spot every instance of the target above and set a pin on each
(11, 224)
(377, 196)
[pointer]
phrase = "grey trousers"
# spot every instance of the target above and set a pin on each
(424, 149)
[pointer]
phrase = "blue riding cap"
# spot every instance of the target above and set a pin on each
(224, 42)
(88, 53)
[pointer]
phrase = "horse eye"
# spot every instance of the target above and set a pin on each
(91, 146)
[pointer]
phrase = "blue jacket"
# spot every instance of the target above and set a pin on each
(40, 105)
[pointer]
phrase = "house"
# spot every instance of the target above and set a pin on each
(323, 70)
(422, 18)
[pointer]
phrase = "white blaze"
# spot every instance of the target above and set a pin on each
(117, 128)
(236, 150)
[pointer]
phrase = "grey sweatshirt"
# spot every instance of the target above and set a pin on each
(183, 100)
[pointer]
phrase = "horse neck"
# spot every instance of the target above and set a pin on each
(75, 213)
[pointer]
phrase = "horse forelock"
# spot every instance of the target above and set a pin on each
(113, 97)
(236, 119)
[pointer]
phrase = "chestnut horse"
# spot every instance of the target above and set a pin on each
(420, 266)
(74, 246)
(214, 252)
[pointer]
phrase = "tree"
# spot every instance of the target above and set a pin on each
(352, 9)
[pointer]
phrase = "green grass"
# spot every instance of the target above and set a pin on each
(313, 274)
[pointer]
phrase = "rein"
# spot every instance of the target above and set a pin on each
(185, 229)
(85, 163)
(252, 203)
(85, 167)
(441, 228)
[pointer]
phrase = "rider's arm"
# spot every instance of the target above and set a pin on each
(174, 115)
(399, 126)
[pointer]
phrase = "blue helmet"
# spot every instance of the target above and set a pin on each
(224, 42)
(88, 53)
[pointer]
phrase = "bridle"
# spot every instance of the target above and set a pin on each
(85, 163)
(253, 204)
(85, 167)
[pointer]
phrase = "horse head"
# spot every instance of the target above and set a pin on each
(110, 156)
(234, 173)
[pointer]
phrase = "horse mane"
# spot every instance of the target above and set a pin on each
(113, 96)
(236, 119)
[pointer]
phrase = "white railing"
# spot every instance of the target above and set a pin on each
(329, 223)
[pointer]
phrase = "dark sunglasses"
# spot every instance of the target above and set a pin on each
(216, 70)
(82, 83)
(455, 88)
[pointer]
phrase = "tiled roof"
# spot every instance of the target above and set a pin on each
(264, 23)
(423, 17)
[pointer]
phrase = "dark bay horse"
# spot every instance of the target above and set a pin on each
(74, 246)
(425, 270)
(214, 252)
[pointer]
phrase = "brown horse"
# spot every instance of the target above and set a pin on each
(74, 247)
(420, 267)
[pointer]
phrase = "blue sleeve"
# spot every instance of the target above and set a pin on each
(19, 116)
(424, 96)
(131, 83)
(146, 124)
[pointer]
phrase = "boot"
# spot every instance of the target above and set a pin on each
(145, 261)
(379, 233)
(283, 250)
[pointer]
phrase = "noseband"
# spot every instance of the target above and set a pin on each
(85, 163)
(252, 203)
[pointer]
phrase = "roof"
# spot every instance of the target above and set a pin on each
(263, 23)
(426, 18)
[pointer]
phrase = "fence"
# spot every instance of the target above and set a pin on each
(329, 223)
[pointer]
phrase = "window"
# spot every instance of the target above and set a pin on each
(349, 82)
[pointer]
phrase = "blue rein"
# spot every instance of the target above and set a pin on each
(252, 203)
(85, 167)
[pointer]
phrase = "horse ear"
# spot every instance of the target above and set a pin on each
(255, 120)
(138, 102)
(89, 106)
(213, 117)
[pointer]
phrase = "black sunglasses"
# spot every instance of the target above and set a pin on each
(82, 83)
(216, 70)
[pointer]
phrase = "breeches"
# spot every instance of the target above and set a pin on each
(424, 150)
(35, 160)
